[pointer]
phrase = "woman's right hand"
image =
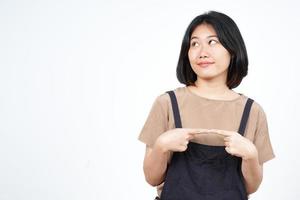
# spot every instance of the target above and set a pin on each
(175, 139)
(157, 156)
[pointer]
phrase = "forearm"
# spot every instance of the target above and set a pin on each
(253, 174)
(155, 165)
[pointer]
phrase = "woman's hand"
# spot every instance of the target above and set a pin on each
(237, 145)
(176, 139)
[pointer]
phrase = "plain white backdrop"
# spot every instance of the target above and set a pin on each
(78, 78)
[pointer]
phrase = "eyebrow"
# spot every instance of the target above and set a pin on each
(210, 36)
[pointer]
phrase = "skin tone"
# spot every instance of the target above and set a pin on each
(210, 61)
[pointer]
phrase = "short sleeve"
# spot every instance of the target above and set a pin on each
(156, 122)
(262, 139)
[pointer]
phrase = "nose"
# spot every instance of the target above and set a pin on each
(204, 56)
(203, 52)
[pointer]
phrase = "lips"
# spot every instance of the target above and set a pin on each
(204, 63)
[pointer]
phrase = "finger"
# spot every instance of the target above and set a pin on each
(232, 151)
(214, 131)
(191, 133)
(204, 130)
(200, 130)
(183, 147)
(223, 132)
(228, 150)
(190, 136)
(227, 144)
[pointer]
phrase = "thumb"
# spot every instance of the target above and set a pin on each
(191, 136)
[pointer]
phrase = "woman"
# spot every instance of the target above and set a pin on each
(204, 140)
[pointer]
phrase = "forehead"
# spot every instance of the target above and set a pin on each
(203, 31)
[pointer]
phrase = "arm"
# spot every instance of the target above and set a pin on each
(238, 145)
(155, 165)
(252, 172)
(156, 158)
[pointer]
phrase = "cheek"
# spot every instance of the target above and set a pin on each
(192, 55)
(223, 57)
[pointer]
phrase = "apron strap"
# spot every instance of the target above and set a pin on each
(245, 116)
(177, 118)
(175, 109)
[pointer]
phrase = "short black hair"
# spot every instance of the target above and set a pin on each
(229, 36)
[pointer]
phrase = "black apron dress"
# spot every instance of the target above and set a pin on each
(204, 172)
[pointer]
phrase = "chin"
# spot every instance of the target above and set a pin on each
(207, 77)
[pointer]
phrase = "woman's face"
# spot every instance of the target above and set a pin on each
(208, 58)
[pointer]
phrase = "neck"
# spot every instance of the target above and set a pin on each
(211, 88)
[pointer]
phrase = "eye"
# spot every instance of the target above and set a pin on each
(212, 42)
(194, 44)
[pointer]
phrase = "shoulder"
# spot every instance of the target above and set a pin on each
(164, 98)
(257, 110)
(257, 107)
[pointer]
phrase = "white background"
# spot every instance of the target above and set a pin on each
(78, 78)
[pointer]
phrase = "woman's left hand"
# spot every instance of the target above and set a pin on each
(237, 145)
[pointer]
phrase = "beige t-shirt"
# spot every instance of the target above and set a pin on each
(200, 112)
